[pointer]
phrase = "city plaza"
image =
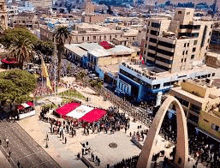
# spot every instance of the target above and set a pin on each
(66, 154)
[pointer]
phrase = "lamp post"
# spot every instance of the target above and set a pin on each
(55, 62)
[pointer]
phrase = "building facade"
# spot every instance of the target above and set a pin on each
(174, 50)
(3, 15)
(200, 101)
(175, 45)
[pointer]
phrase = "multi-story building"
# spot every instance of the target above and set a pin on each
(99, 56)
(29, 20)
(175, 45)
(200, 101)
(84, 32)
(174, 50)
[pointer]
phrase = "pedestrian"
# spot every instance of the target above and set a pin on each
(9, 153)
(0, 141)
(18, 164)
(78, 155)
(92, 157)
(125, 130)
(82, 151)
(65, 140)
(7, 142)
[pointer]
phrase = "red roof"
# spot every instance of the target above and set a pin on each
(93, 116)
(105, 45)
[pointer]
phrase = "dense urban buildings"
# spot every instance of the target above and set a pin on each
(82, 77)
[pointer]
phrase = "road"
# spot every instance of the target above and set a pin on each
(23, 148)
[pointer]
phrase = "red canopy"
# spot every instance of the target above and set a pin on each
(93, 115)
(20, 107)
(67, 108)
(9, 61)
(30, 103)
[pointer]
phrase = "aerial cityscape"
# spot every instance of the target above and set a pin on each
(109, 84)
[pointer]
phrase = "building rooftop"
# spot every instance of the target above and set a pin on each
(151, 71)
(97, 50)
(75, 47)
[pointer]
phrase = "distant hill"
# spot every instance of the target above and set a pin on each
(184, 1)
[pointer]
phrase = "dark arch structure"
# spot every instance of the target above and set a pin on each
(181, 158)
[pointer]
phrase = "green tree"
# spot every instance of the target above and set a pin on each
(61, 34)
(21, 49)
(10, 36)
(16, 86)
(45, 47)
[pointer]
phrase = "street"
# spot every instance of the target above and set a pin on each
(23, 148)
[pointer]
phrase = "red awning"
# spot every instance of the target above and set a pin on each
(30, 103)
(93, 115)
(67, 108)
(20, 107)
(9, 61)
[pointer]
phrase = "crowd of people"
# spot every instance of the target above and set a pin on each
(130, 162)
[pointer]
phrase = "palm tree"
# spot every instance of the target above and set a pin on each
(21, 49)
(61, 34)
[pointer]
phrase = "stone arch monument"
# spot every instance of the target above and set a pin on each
(148, 149)
(3, 15)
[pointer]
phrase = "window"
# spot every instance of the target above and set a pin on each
(215, 127)
(153, 32)
(100, 37)
(185, 60)
(165, 44)
(208, 40)
(156, 25)
(151, 55)
(188, 45)
(206, 120)
(192, 56)
(188, 13)
(153, 40)
(184, 44)
(182, 60)
(179, 12)
(87, 38)
(194, 49)
(210, 33)
(211, 26)
(195, 108)
(152, 48)
(115, 36)
(195, 42)
(193, 118)
(207, 47)
(165, 52)
(94, 37)
(213, 74)
(156, 86)
(82, 38)
(186, 52)
(183, 53)
(166, 84)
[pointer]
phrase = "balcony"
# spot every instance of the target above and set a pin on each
(164, 56)
(166, 48)
(150, 58)
(163, 64)
(151, 51)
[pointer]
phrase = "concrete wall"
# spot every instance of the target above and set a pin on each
(205, 122)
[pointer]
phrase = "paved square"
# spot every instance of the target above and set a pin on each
(100, 147)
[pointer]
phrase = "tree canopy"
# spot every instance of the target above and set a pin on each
(10, 36)
(16, 86)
